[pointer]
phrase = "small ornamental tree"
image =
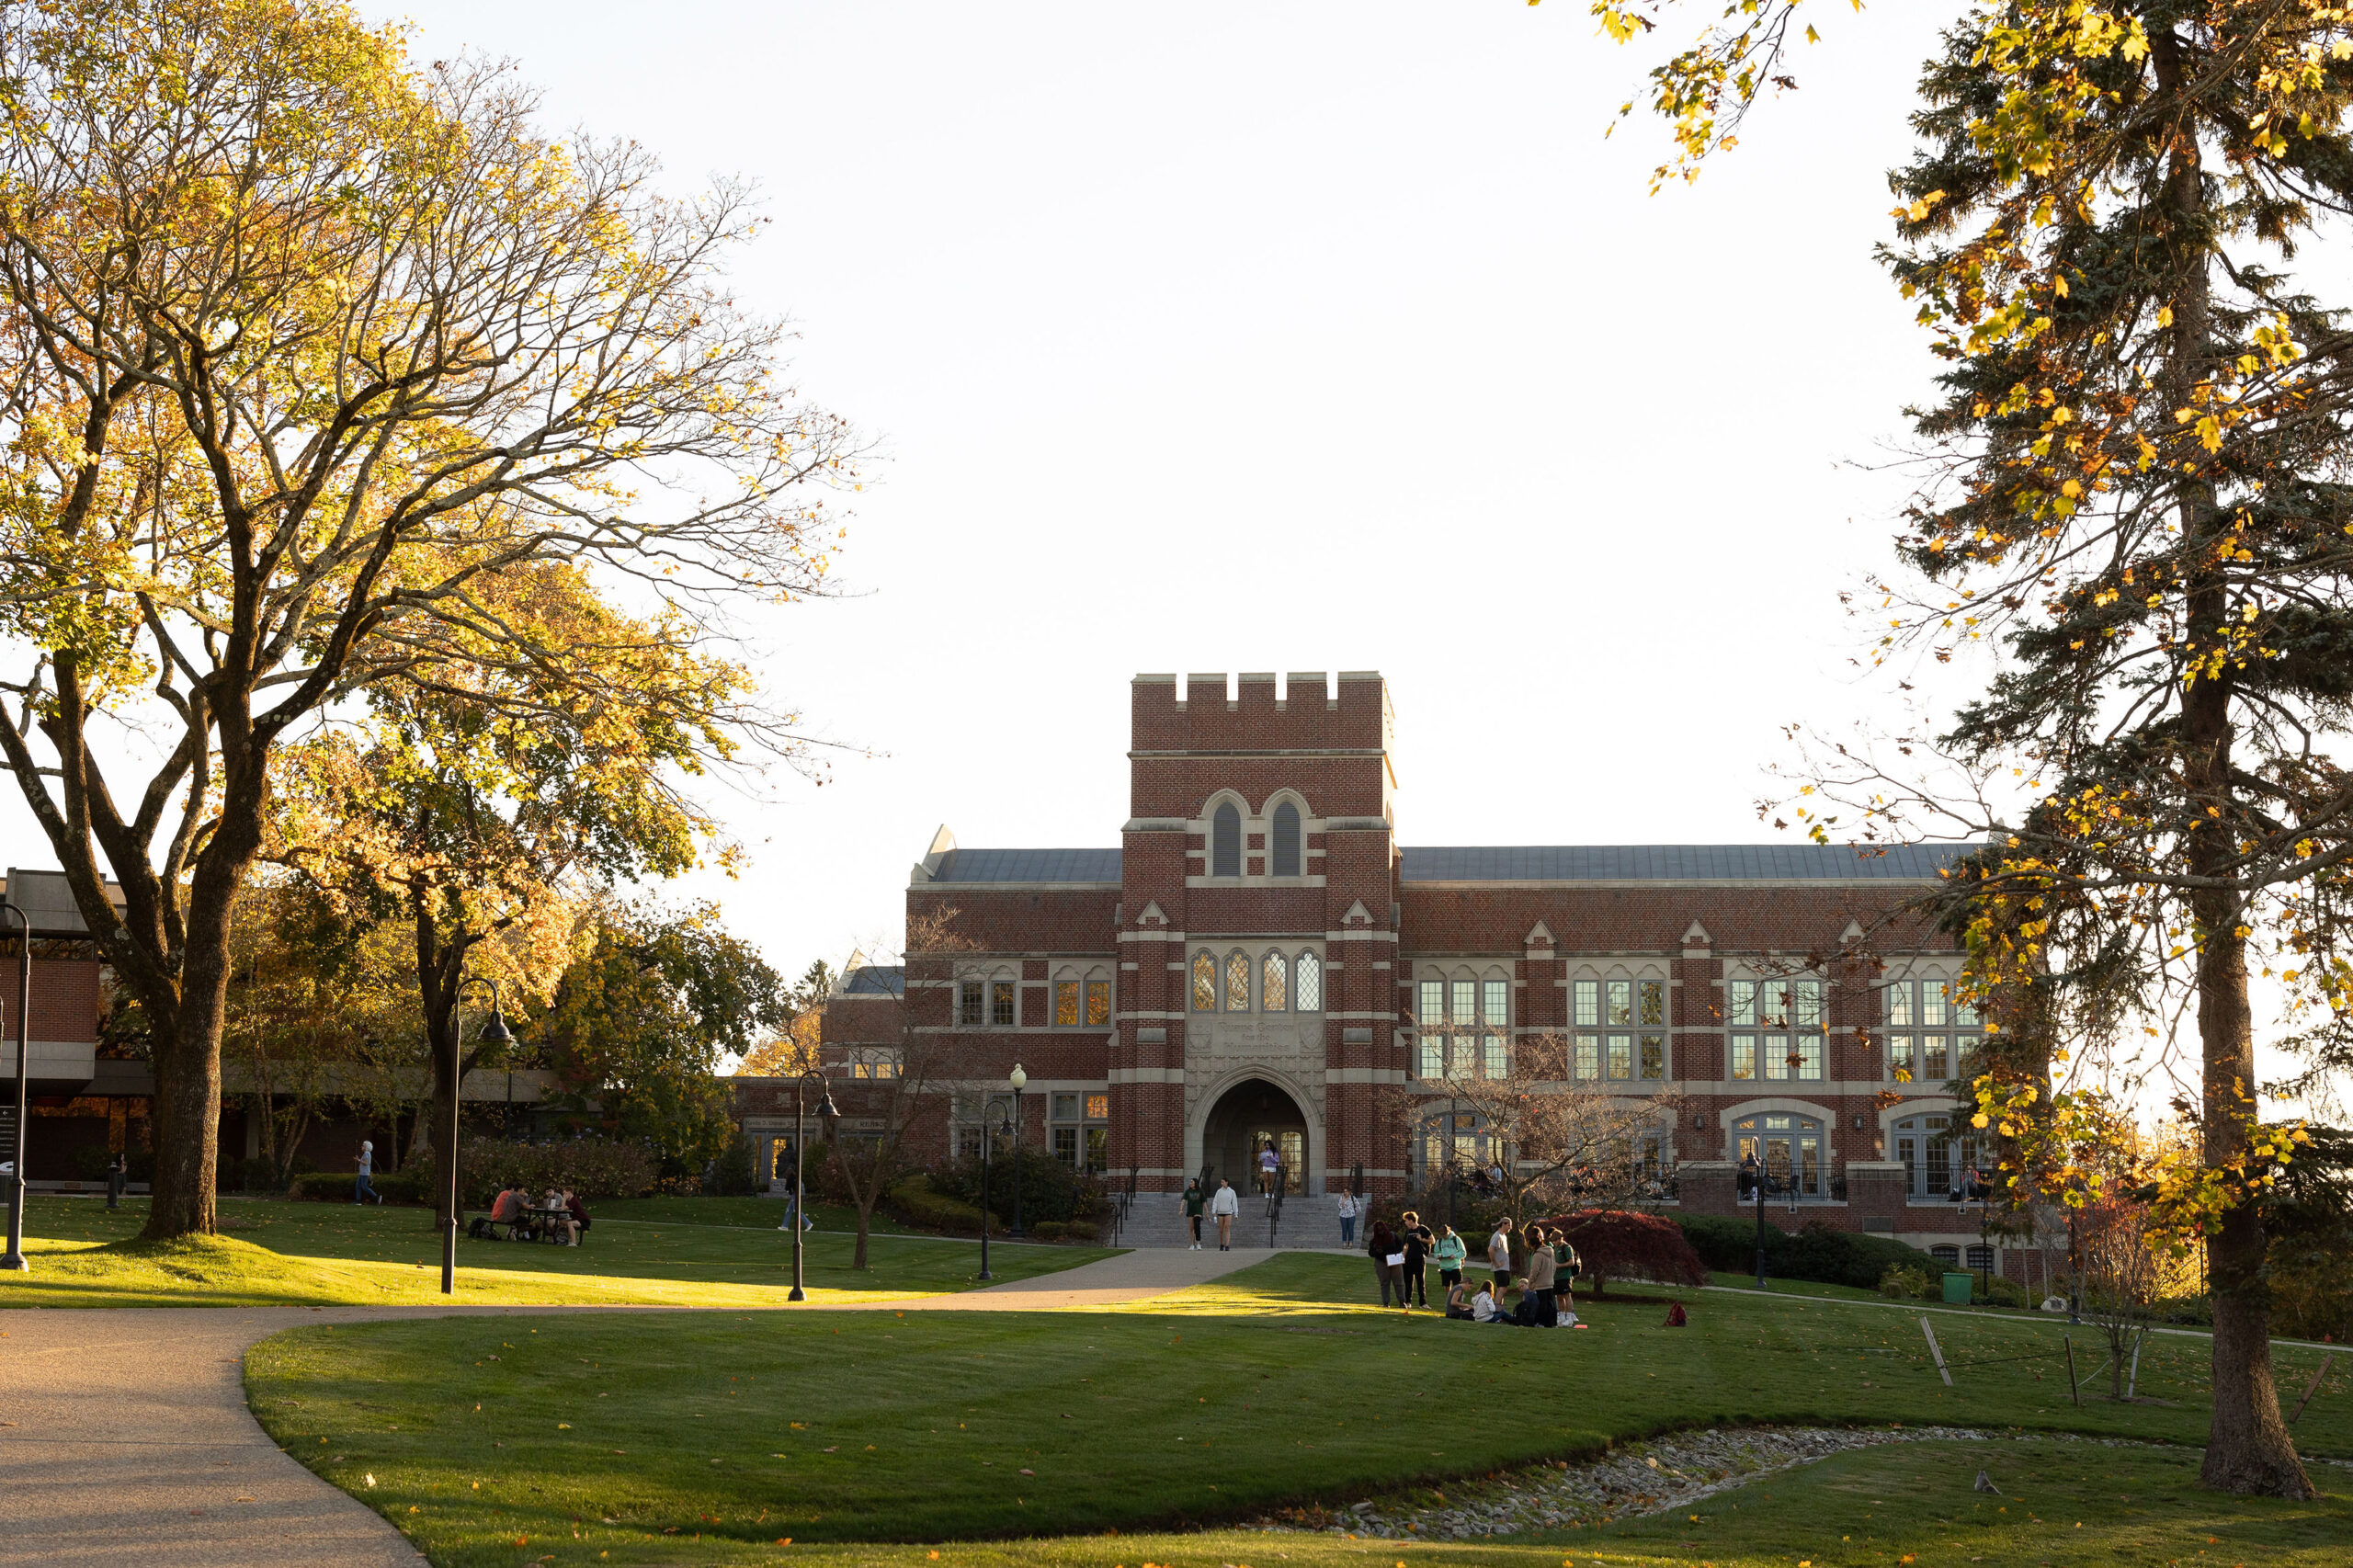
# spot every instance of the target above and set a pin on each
(1622, 1245)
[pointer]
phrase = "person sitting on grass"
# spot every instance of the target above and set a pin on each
(1458, 1301)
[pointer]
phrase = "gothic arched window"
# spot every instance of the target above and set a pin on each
(1285, 841)
(1204, 984)
(1237, 982)
(1274, 983)
(1307, 995)
(1226, 842)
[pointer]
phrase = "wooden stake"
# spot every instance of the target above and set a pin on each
(2314, 1388)
(1938, 1354)
(2072, 1392)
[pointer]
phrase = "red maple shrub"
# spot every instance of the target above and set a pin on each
(1617, 1244)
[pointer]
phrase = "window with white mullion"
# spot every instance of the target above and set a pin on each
(1776, 1029)
(1932, 1033)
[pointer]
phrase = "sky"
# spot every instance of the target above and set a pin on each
(1273, 337)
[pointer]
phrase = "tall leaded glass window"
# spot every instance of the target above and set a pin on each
(1776, 1029)
(1204, 984)
(1307, 993)
(1226, 842)
(1585, 1013)
(1099, 1003)
(1274, 983)
(1237, 982)
(1284, 841)
(1932, 1033)
(1430, 1043)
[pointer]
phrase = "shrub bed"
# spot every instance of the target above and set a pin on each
(592, 1167)
(1817, 1252)
(914, 1202)
(1620, 1244)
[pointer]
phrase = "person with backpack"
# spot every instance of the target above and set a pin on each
(1193, 1203)
(1565, 1265)
(1448, 1254)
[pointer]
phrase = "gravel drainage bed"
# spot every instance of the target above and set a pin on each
(1631, 1479)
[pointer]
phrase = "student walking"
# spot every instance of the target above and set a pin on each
(363, 1189)
(1418, 1238)
(1499, 1250)
(1388, 1261)
(1448, 1254)
(1347, 1219)
(117, 1169)
(1193, 1203)
(1269, 1169)
(1223, 1208)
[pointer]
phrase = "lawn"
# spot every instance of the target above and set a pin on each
(704, 1438)
(273, 1252)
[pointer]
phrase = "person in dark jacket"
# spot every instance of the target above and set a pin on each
(1414, 1284)
(579, 1216)
(1384, 1246)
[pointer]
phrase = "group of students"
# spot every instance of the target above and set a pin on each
(1401, 1255)
(1221, 1205)
(513, 1208)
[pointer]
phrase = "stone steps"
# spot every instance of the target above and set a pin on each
(1157, 1220)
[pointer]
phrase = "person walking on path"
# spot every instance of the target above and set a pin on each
(1347, 1219)
(363, 1189)
(1499, 1250)
(1193, 1204)
(1388, 1261)
(1418, 1238)
(117, 1169)
(1448, 1254)
(1536, 1298)
(1224, 1207)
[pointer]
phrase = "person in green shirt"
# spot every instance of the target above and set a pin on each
(1194, 1203)
(1448, 1254)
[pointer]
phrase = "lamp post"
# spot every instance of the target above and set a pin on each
(1760, 1226)
(829, 1115)
(14, 1261)
(1448, 1163)
(493, 1033)
(1016, 1078)
(988, 1108)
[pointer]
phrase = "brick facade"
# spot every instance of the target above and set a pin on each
(1367, 921)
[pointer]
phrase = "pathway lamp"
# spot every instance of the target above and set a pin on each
(495, 1032)
(1016, 1078)
(989, 1136)
(14, 1261)
(829, 1117)
(1762, 1178)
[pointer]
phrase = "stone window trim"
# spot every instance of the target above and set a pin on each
(1279, 843)
(987, 999)
(1081, 998)
(1929, 1034)
(1242, 980)
(1619, 1024)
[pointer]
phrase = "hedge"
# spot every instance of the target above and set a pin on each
(335, 1186)
(1817, 1252)
(592, 1167)
(914, 1201)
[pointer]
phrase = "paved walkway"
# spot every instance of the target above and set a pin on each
(124, 1436)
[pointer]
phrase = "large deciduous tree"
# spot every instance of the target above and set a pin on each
(303, 343)
(2139, 444)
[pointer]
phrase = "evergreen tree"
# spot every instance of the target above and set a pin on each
(2141, 494)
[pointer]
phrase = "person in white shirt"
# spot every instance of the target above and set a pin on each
(1499, 1250)
(1224, 1207)
(1348, 1219)
(1269, 1167)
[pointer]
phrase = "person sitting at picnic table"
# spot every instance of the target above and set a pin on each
(579, 1211)
(557, 1218)
(506, 1210)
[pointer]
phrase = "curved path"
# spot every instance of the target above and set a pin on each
(124, 1436)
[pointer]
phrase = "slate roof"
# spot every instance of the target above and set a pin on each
(1029, 866)
(1678, 863)
(875, 979)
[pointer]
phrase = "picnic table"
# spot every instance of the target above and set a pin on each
(546, 1221)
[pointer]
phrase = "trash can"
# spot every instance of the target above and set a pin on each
(1959, 1288)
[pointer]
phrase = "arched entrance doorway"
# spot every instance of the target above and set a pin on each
(1245, 1119)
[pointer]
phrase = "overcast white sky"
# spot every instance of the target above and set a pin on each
(1283, 336)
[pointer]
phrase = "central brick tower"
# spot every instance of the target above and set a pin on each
(1218, 783)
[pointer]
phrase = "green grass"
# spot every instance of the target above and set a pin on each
(705, 1436)
(274, 1252)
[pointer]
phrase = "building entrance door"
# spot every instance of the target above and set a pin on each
(1790, 1148)
(1246, 1120)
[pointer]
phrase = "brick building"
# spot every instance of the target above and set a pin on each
(1249, 965)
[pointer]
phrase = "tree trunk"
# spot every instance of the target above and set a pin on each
(2247, 1447)
(188, 1070)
